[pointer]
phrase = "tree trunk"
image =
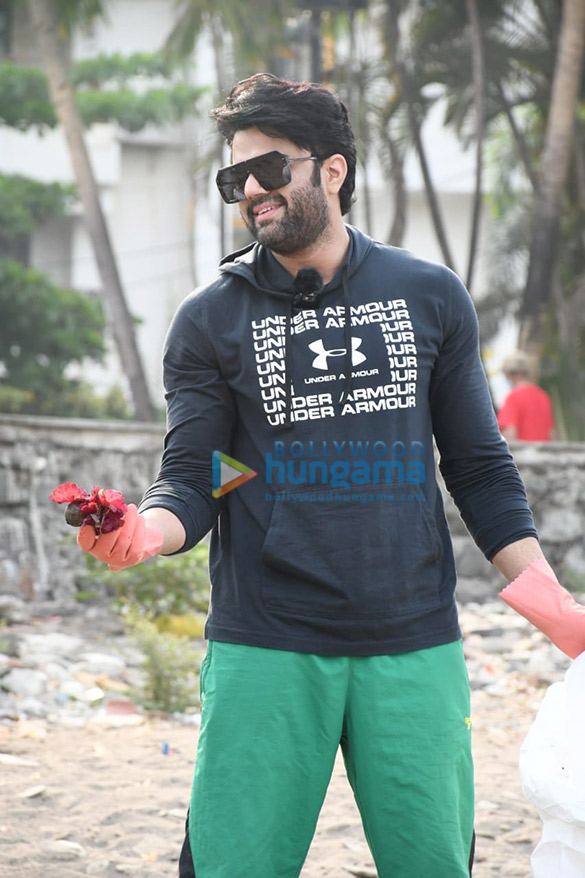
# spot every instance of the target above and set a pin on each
(431, 192)
(580, 167)
(479, 99)
(45, 22)
(519, 139)
(223, 87)
(367, 194)
(401, 66)
(557, 152)
(316, 48)
(398, 227)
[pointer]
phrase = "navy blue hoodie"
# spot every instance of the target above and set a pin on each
(339, 545)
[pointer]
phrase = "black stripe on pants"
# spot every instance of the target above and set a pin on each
(186, 867)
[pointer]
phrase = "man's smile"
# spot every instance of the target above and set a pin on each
(265, 209)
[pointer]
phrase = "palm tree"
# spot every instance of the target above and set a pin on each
(506, 45)
(555, 167)
(381, 127)
(44, 15)
(544, 151)
(253, 38)
(258, 33)
(416, 105)
(479, 101)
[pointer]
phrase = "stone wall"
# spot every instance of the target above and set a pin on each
(39, 559)
(554, 475)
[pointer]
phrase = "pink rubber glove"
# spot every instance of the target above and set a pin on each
(538, 596)
(137, 540)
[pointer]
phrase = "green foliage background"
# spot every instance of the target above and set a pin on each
(107, 90)
(163, 603)
(46, 328)
(174, 585)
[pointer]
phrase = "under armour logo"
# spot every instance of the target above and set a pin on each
(320, 361)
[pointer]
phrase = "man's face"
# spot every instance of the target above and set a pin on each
(290, 219)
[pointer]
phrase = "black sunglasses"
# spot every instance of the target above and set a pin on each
(272, 170)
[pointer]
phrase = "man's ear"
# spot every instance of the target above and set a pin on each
(334, 169)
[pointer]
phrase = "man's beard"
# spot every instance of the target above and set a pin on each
(305, 220)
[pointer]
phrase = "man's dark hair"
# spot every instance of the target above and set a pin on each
(307, 114)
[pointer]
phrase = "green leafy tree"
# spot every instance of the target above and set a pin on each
(44, 329)
(103, 93)
(406, 73)
(26, 203)
(47, 328)
(258, 35)
(243, 40)
(510, 73)
(53, 21)
(47, 24)
(560, 130)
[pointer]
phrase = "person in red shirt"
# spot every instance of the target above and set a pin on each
(526, 413)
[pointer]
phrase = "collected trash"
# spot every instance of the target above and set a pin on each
(552, 768)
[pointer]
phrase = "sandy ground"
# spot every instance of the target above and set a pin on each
(110, 802)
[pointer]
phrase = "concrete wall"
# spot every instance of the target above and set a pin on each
(39, 559)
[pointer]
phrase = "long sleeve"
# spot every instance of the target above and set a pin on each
(200, 418)
(475, 461)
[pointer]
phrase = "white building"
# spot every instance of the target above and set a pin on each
(166, 230)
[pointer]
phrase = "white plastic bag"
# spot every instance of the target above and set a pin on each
(552, 768)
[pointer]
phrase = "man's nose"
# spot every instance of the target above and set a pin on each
(253, 188)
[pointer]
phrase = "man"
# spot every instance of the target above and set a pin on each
(326, 362)
(526, 413)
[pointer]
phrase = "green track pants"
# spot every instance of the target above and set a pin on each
(271, 724)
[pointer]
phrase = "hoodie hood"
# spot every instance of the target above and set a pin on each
(262, 270)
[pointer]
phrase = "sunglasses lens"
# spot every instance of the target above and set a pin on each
(230, 183)
(271, 170)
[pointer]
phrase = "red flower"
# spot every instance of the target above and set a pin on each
(113, 499)
(103, 509)
(68, 493)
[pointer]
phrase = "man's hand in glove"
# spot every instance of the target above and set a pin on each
(136, 540)
(538, 596)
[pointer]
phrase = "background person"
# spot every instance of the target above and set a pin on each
(331, 624)
(527, 412)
